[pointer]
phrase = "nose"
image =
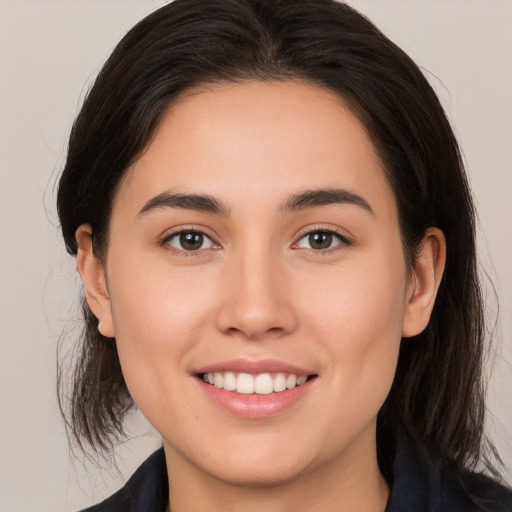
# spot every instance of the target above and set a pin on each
(257, 300)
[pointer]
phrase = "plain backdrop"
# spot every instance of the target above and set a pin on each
(50, 51)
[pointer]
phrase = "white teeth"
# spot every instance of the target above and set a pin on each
(229, 381)
(291, 381)
(263, 384)
(247, 384)
(218, 380)
(301, 380)
(280, 382)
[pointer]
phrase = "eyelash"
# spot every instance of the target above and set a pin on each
(188, 231)
(342, 239)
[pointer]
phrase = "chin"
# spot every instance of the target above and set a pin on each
(256, 475)
(248, 463)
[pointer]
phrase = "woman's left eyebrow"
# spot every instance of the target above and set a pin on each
(198, 202)
(302, 201)
(324, 197)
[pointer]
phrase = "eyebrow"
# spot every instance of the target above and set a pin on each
(297, 202)
(198, 202)
(324, 197)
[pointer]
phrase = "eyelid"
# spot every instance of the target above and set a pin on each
(336, 231)
(193, 228)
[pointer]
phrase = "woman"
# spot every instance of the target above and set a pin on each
(276, 240)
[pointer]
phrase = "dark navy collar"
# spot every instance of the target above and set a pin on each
(146, 491)
(425, 484)
(419, 484)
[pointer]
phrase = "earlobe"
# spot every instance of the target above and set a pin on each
(424, 282)
(93, 277)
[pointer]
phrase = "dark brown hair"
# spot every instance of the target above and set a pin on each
(437, 396)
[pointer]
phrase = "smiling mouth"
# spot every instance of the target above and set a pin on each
(260, 384)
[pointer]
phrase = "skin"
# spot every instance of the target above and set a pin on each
(259, 291)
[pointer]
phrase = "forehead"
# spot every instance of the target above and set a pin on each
(256, 140)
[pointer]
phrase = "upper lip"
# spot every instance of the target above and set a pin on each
(253, 367)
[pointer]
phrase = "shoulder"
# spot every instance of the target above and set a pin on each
(147, 489)
(488, 494)
(424, 484)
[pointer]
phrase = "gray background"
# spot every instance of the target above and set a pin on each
(49, 53)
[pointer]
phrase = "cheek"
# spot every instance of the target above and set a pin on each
(362, 299)
(154, 301)
(357, 322)
(158, 316)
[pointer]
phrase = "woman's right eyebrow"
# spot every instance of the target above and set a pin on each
(206, 203)
(198, 202)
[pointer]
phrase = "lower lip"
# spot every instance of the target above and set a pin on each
(255, 406)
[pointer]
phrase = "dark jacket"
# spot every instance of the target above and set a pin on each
(418, 485)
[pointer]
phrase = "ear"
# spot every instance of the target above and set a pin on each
(95, 285)
(424, 282)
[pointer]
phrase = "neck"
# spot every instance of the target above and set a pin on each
(354, 482)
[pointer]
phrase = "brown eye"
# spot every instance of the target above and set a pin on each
(190, 241)
(321, 240)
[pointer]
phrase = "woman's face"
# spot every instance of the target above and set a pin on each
(258, 236)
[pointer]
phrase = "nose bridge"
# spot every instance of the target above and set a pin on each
(257, 300)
